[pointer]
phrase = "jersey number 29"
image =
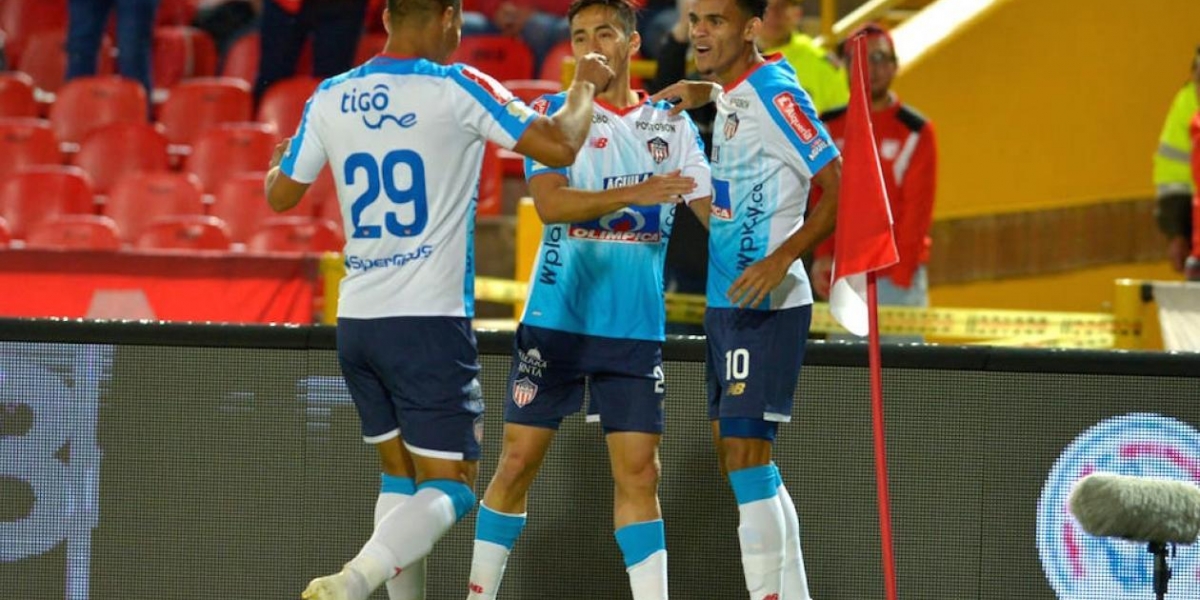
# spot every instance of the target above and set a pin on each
(381, 175)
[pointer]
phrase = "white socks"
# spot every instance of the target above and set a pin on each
(644, 546)
(795, 581)
(760, 530)
(410, 583)
(495, 535)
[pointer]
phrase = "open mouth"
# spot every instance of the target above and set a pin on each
(702, 50)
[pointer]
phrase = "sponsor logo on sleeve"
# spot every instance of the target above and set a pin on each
(517, 109)
(540, 106)
(795, 117)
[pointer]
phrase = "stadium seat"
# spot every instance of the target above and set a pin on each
(492, 170)
(242, 205)
(89, 103)
(16, 95)
(298, 235)
(529, 90)
(552, 64)
(39, 193)
(181, 52)
(283, 104)
(109, 153)
(139, 198)
(21, 19)
(5, 236)
(185, 233)
(45, 60)
(226, 150)
(24, 143)
(241, 59)
(176, 12)
(323, 193)
(500, 56)
(195, 105)
(75, 232)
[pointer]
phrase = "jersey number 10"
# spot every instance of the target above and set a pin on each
(381, 175)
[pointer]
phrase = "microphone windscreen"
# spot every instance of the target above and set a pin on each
(1137, 508)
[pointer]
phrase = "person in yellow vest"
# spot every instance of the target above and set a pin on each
(1173, 173)
(819, 72)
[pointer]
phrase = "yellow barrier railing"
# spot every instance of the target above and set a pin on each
(1120, 329)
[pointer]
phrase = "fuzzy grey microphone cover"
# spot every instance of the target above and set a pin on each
(1137, 508)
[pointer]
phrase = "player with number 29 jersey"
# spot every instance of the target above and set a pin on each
(405, 138)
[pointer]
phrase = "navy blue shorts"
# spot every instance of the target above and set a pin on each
(416, 377)
(550, 369)
(754, 359)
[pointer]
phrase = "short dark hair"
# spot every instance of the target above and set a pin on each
(754, 8)
(404, 9)
(626, 11)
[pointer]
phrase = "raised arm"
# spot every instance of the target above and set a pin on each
(555, 140)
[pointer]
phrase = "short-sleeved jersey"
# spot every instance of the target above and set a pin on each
(404, 138)
(604, 277)
(767, 145)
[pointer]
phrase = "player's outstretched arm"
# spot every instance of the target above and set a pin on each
(753, 285)
(555, 140)
(558, 203)
(282, 191)
(690, 94)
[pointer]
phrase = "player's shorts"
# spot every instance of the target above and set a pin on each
(415, 377)
(753, 363)
(550, 369)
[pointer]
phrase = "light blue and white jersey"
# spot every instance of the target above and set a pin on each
(604, 277)
(767, 145)
(404, 138)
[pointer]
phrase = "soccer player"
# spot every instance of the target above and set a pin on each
(405, 136)
(595, 312)
(768, 149)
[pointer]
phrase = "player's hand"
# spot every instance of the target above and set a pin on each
(822, 276)
(277, 154)
(753, 285)
(690, 94)
(593, 68)
(662, 189)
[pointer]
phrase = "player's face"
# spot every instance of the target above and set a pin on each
(721, 35)
(598, 29)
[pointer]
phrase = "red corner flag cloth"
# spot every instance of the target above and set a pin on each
(863, 239)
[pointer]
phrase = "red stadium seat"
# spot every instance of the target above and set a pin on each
(75, 232)
(37, 194)
(16, 95)
(283, 104)
(45, 60)
(198, 104)
(241, 203)
(24, 143)
(182, 52)
(298, 235)
(139, 198)
(226, 150)
(511, 163)
(111, 152)
(89, 103)
(552, 64)
(5, 236)
(241, 59)
(185, 233)
(21, 19)
(491, 180)
(500, 56)
(529, 90)
(176, 12)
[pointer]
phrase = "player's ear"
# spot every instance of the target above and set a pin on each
(448, 18)
(752, 28)
(387, 20)
(635, 42)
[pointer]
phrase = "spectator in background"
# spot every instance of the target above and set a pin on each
(1172, 170)
(908, 155)
(86, 21)
(541, 24)
(335, 26)
(227, 20)
(820, 73)
(1192, 265)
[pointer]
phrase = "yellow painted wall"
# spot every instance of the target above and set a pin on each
(1047, 103)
